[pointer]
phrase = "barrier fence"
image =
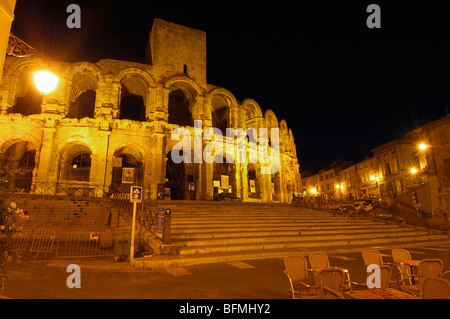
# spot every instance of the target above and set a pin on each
(63, 244)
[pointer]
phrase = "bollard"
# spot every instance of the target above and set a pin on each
(167, 222)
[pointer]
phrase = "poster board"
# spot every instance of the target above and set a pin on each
(252, 186)
(128, 175)
(224, 181)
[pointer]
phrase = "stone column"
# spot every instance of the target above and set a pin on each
(48, 161)
(158, 167)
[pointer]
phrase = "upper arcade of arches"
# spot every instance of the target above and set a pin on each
(119, 85)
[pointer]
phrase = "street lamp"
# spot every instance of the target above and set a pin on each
(413, 171)
(423, 146)
(45, 81)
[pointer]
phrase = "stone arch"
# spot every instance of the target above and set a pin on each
(222, 104)
(20, 95)
(182, 100)
(75, 162)
(17, 164)
(81, 67)
(185, 79)
(271, 119)
(7, 141)
(83, 80)
(131, 160)
(284, 135)
(252, 109)
(135, 84)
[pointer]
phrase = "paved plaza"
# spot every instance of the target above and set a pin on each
(102, 278)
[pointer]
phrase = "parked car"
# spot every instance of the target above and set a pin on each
(226, 197)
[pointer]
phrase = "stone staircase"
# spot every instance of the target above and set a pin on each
(218, 231)
(66, 212)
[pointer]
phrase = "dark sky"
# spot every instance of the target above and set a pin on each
(342, 88)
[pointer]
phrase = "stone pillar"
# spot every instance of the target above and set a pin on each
(99, 171)
(244, 184)
(158, 163)
(48, 161)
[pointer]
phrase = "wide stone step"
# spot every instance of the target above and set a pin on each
(258, 223)
(258, 217)
(344, 242)
(287, 227)
(278, 232)
(297, 237)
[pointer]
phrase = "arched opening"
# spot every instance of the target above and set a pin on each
(221, 119)
(179, 109)
(75, 163)
(28, 99)
(83, 95)
(221, 113)
(83, 106)
(276, 186)
(253, 187)
(79, 168)
(224, 179)
(133, 95)
(128, 169)
(131, 106)
(182, 98)
(17, 165)
(175, 178)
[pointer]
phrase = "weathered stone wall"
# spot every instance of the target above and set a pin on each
(57, 140)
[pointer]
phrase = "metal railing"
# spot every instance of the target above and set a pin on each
(71, 188)
(62, 244)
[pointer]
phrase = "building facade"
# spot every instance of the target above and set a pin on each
(413, 170)
(432, 151)
(328, 183)
(110, 125)
(395, 160)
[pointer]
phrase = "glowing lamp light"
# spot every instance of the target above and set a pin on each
(372, 177)
(413, 170)
(338, 186)
(45, 81)
(423, 146)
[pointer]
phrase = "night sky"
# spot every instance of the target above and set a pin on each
(342, 88)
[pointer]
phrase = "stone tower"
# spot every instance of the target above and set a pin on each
(175, 49)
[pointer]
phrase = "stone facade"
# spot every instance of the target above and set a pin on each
(110, 115)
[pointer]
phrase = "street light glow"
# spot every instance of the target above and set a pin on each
(413, 170)
(423, 146)
(45, 81)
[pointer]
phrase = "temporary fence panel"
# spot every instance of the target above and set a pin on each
(42, 241)
(21, 242)
(83, 244)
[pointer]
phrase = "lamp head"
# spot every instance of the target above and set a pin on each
(45, 81)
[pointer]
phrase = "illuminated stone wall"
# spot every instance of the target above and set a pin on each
(87, 118)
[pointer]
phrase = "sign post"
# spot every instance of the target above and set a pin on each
(135, 197)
